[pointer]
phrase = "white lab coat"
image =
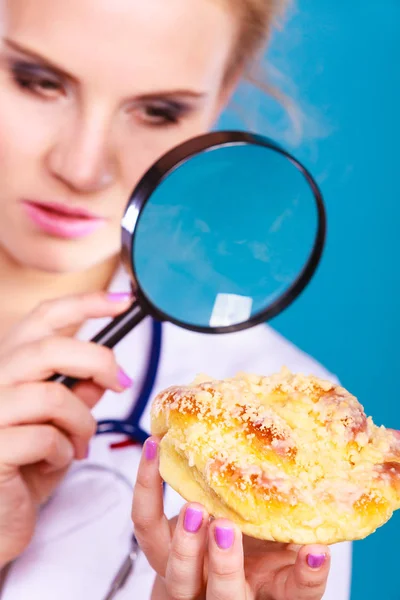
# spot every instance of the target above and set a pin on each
(83, 532)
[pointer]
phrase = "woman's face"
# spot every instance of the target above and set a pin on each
(92, 92)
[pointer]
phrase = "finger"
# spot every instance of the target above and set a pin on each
(88, 392)
(159, 591)
(151, 525)
(184, 573)
(69, 356)
(30, 444)
(308, 577)
(48, 403)
(55, 315)
(226, 579)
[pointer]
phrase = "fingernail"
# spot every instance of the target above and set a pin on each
(150, 450)
(224, 536)
(315, 561)
(87, 452)
(123, 380)
(193, 520)
(119, 296)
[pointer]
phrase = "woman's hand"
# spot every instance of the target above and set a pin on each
(43, 425)
(196, 558)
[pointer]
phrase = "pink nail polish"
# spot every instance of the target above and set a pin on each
(150, 450)
(315, 561)
(193, 520)
(124, 380)
(224, 536)
(119, 296)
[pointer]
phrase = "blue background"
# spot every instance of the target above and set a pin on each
(339, 61)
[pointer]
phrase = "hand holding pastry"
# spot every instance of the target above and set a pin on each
(287, 459)
(198, 559)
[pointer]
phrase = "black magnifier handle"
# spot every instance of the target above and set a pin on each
(110, 336)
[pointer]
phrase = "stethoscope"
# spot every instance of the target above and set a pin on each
(130, 426)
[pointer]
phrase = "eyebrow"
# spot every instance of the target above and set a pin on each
(13, 45)
(164, 94)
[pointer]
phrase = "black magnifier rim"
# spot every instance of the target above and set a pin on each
(164, 167)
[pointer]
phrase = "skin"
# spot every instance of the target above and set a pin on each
(92, 92)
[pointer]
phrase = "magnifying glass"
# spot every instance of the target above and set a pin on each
(221, 234)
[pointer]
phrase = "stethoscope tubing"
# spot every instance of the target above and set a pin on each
(130, 426)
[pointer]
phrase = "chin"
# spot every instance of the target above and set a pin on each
(62, 256)
(56, 264)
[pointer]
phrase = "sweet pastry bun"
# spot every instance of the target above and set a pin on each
(288, 458)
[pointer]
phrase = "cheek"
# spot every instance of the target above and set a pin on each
(25, 131)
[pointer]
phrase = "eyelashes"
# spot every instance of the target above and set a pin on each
(163, 112)
(35, 79)
(44, 84)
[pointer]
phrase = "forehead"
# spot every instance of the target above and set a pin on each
(166, 42)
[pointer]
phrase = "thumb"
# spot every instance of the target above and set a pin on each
(308, 577)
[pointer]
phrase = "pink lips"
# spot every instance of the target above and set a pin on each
(62, 221)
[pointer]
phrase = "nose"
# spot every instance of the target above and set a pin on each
(81, 156)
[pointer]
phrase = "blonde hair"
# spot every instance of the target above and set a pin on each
(257, 21)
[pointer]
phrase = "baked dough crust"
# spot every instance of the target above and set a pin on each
(289, 458)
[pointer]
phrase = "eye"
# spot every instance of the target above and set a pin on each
(162, 113)
(36, 80)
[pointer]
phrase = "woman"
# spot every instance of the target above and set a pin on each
(92, 92)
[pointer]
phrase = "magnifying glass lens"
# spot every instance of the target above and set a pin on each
(225, 235)
(222, 233)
